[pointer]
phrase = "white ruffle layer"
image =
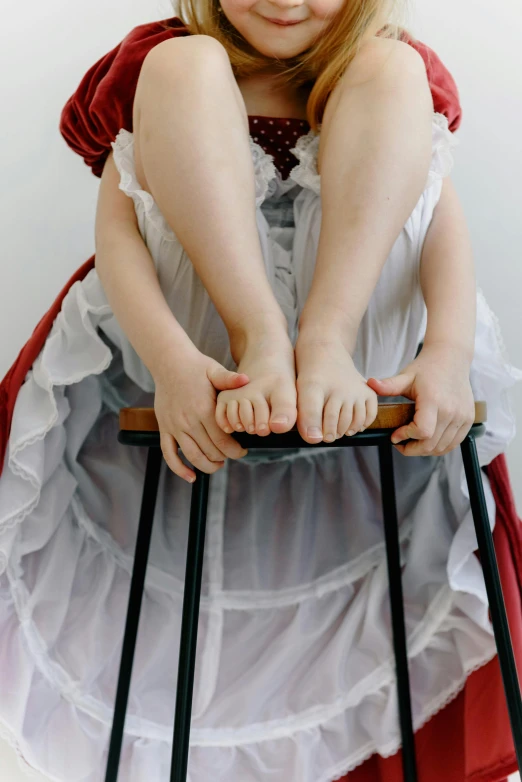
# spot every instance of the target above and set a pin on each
(295, 675)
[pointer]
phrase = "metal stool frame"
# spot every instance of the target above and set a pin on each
(380, 438)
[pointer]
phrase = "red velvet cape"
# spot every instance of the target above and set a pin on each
(469, 740)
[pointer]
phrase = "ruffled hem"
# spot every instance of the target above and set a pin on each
(307, 150)
(315, 739)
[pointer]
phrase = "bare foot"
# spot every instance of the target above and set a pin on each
(333, 399)
(268, 402)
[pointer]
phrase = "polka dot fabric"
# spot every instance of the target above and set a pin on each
(277, 136)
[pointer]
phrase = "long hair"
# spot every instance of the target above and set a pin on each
(321, 66)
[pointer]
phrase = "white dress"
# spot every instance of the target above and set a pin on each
(295, 673)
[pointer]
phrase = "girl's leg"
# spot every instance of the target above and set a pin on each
(374, 157)
(193, 155)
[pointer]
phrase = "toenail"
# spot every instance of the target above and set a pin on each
(228, 430)
(238, 427)
(351, 433)
(280, 419)
(329, 438)
(314, 431)
(251, 428)
(262, 427)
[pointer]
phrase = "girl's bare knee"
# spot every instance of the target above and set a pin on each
(185, 59)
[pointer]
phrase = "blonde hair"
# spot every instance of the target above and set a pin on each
(321, 66)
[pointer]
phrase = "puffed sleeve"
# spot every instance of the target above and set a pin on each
(102, 105)
(443, 88)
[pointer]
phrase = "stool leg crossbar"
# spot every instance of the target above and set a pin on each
(393, 556)
(497, 607)
(191, 602)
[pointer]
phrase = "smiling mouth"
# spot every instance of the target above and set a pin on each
(283, 24)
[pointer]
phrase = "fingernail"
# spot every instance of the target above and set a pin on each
(280, 419)
(191, 478)
(314, 431)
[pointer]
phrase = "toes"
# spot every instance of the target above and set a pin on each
(246, 415)
(284, 412)
(345, 419)
(372, 408)
(233, 415)
(310, 414)
(261, 416)
(332, 411)
(359, 415)
(221, 417)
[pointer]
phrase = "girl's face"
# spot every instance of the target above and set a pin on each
(260, 23)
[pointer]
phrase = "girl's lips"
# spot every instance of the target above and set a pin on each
(281, 23)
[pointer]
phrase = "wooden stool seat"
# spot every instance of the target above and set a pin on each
(390, 415)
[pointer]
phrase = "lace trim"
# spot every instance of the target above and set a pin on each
(123, 148)
(24, 766)
(264, 170)
(437, 704)
(307, 149)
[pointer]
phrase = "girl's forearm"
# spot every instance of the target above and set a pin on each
(130, 281)
(375, 160)
(447, 277)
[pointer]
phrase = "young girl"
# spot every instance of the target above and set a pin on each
(232, 297)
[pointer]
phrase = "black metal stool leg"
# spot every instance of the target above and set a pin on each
(391, 531)
(189, 628)
(494, 589)
(148, 504)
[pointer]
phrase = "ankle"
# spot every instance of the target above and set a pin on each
(258, 328)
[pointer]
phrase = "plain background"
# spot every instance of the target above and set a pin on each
(48, 195)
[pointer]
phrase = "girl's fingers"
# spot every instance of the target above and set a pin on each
(206, 444)
(226, 444)
(195, 455)
(261, 416)
(423, 426)
(221, 417)
(233, 415)
(422, 447)
(447, 438)
(246, 415)
(332, 411)
(169, 448)
(458, 439)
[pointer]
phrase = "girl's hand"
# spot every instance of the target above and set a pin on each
(185, 406)
(438, 381)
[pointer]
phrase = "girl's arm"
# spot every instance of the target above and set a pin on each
(128, 276)
(438, 379)
(185, 379)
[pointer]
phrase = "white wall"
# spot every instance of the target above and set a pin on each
(48, 195)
